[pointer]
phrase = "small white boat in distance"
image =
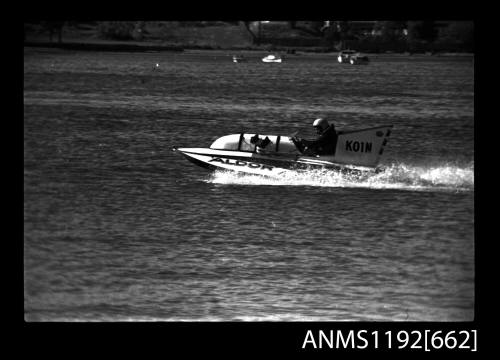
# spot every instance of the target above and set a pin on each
(352, 57)
(272, 58)
(238, 58)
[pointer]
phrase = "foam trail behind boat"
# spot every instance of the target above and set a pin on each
(397, 176)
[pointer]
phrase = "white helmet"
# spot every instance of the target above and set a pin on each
(322, 123)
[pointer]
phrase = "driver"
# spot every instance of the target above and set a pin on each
(325, 143)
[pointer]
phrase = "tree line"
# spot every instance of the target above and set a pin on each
(398, 36)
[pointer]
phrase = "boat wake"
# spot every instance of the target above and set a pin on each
(395, 176)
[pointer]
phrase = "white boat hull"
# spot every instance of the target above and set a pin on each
(258, 164)
(229, 162)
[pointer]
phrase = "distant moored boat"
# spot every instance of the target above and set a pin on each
(272, 58)
(352, 57)
(238, 58)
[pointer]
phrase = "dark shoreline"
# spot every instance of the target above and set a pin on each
(122, 47)
(103, 46)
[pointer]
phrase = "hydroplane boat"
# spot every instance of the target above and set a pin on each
(356, 151)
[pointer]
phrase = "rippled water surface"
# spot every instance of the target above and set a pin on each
(118, 227)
